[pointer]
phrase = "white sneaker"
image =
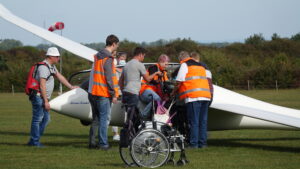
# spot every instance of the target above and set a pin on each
(116, 138)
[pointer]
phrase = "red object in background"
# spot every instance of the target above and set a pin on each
(56, 26)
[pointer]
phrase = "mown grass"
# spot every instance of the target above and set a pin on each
(66, 141)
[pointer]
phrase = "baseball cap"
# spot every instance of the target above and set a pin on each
(53, 51)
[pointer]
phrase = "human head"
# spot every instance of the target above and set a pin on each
(112, 42)
(163, 60)
(53, 55)
(195, 56)
(139, 53)
(183, 55)
(121, 56)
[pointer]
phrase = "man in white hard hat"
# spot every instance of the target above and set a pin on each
(40, 99)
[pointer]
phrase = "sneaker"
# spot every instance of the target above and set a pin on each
(116, 137)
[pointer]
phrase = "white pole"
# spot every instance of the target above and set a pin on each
(276, 85)
(12, 89)
(248, 84)
(60, 69)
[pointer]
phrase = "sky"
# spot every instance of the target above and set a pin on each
(205, 21)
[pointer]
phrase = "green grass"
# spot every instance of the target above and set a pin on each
(66, 141)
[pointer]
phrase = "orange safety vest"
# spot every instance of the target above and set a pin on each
(152, 85)
(100, 87)
(196, 83)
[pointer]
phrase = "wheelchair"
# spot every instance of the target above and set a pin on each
(153, 144)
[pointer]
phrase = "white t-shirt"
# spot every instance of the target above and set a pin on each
(183, 70)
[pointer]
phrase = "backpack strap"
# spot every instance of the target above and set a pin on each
(43, 63)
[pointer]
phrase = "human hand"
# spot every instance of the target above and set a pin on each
(159, 73)
(47, 105)
(74, 87)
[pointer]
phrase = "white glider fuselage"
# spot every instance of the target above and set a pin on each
(75, 104)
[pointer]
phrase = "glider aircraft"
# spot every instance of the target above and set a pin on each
(229, 110)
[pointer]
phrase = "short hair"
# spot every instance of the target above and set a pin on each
(119, 54)
(163, 58)
(111, 39)
(139, 50)
(183, 55)
(195, 55)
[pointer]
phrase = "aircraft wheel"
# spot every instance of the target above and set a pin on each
(85, 123)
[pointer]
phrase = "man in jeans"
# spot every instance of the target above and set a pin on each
(40, 98)
(193, 87)
(103, 90)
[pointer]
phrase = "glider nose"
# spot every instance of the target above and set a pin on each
(73, 103)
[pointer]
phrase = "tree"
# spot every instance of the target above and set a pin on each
(275, 36)
(7, 44)
(296, 37)
(256, 39)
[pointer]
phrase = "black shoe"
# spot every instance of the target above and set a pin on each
(202, 147)
(93, 146)
(190, 147)
(105, 148)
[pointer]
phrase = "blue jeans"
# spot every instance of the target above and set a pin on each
(147, 97)
(40, 119)
(197, 118)
(130, 99)
(101, 106)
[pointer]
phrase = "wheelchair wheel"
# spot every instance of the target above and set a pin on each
(150, 148)
(126, 156)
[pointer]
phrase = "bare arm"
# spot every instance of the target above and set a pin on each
(148, 77)
(64, 81)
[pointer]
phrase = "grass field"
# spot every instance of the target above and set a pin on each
(66, 141)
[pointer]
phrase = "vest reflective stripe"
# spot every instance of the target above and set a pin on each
(195, 77)
(196, 83)
(97, 72)
(193, 90)
(102, 73)
(100, 87)
(99, 84)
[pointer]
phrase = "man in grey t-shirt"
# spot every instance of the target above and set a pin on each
(130, 84)
(40, 98)
(130, 80)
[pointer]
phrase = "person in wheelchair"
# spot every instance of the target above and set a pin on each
(153, 90)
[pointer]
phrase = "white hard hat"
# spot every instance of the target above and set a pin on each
(53, 51)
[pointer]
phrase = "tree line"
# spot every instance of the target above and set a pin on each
(233, 65)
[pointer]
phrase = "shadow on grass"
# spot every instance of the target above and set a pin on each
(238, 143)
(80, 142)
(15, 133)
(255, 144)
